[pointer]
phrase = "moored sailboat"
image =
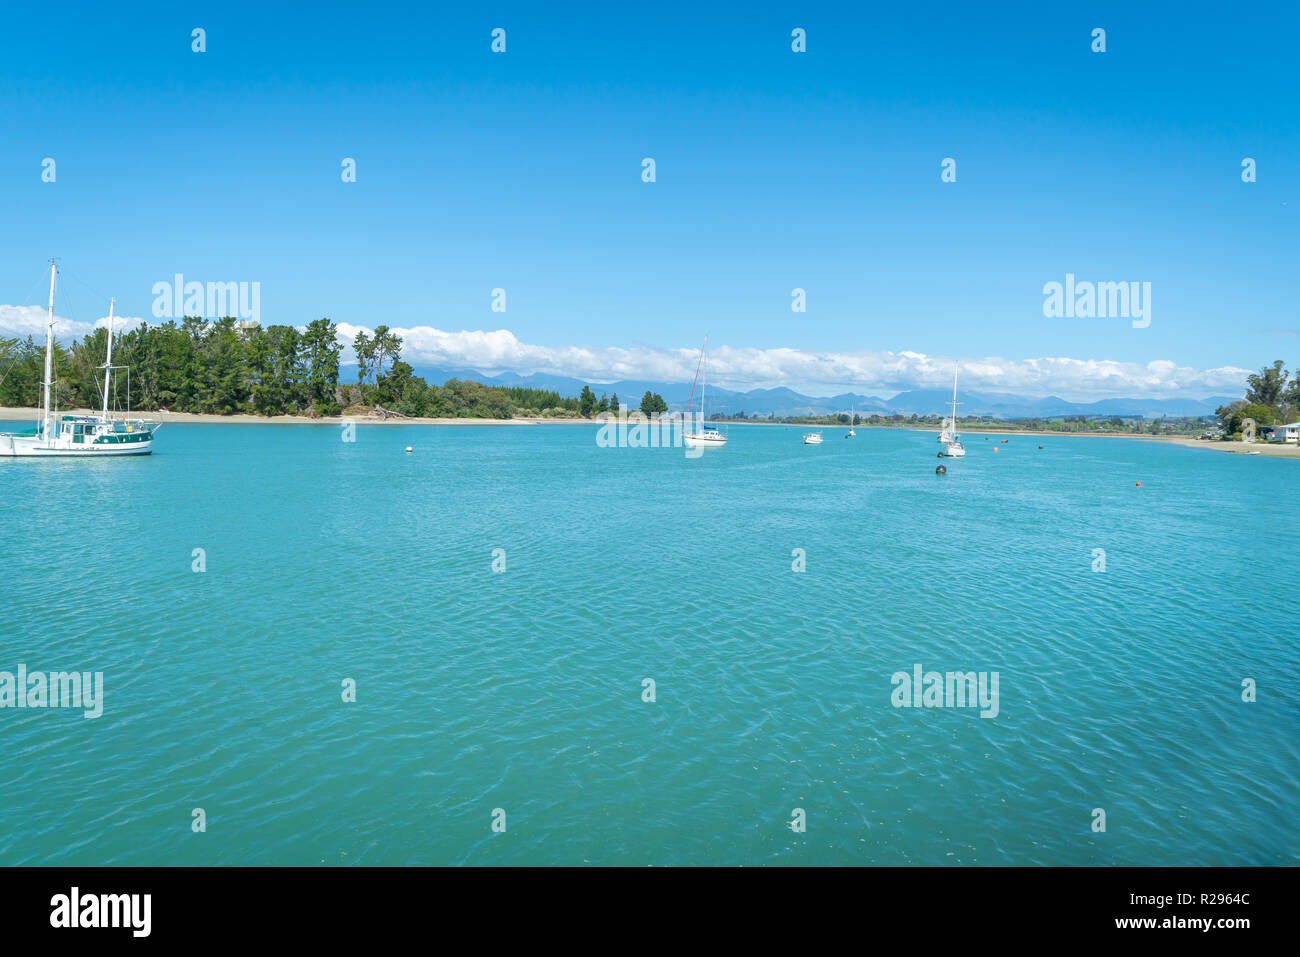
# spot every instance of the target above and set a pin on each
(702, 435)
(953, 449)
(78, 436)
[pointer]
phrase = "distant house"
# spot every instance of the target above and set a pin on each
(1287, 433)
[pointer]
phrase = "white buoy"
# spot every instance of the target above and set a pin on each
(409, 449)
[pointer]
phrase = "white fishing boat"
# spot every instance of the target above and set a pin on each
(699, 434)
(812, 438)
(953, 449)
(78, 436)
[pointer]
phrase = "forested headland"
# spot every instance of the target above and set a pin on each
(219, 368)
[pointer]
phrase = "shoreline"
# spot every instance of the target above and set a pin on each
(16, 414)
(1270, 449)
(10, 414)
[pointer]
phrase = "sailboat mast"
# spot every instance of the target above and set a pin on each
(690, 402)
(108, 357)
(704, 385)
(49, 358)
(954, 399)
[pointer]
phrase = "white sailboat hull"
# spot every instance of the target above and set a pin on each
(33, 447)
(81, 437)
(705, 441)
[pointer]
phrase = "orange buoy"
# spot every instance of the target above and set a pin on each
(1139, 485)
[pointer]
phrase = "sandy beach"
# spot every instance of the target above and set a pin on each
(1274, 449)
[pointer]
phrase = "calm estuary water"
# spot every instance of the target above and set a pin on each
(522, 689)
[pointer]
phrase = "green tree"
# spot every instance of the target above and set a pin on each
(1292, 394)
(1227, 413)
(318, 362)
(1267, 386)
(222, 388)
(1262, 415)
(261, 373)
(364, 348)
(10, 354)
(586, 402)
(20, 385)
(652, 403)
(272, 384)
(385, 345)
(392, 386)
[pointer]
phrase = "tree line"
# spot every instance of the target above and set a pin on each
(220, 368)
(190, 366)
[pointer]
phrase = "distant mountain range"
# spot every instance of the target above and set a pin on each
(782, 402)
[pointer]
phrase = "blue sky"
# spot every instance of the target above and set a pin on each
(775, 170)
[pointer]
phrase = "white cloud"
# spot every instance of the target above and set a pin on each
(19, 322)
(818, 373)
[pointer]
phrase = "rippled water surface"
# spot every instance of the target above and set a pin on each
(522, 690)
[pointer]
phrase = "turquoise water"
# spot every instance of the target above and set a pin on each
(522, 689)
